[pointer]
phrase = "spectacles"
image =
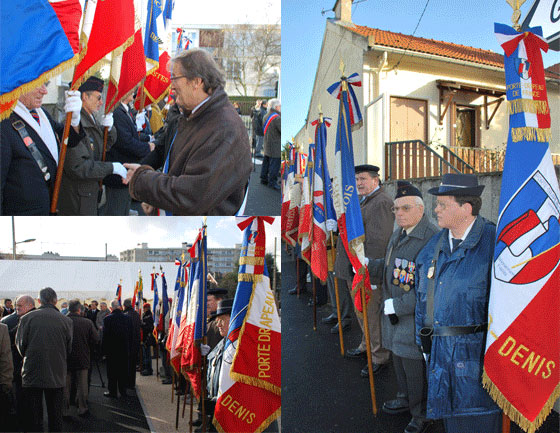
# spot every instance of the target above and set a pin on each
(444, 206)
(405, 208)
(177, 77)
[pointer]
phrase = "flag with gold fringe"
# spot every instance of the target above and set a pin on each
(249, 393)
(156, 85)
(27, 62)
(176, 312)
(522, 347)
(306, 207)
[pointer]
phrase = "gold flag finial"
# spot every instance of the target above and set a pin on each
(516, 5)
(320, 113)
(341, 67)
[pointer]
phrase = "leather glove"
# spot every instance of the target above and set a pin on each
(107, 120)
(204, 349)
(140, 120)
(389, 308)
(119, 169)
(73, 104)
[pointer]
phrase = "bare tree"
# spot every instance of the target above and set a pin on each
(250, 56)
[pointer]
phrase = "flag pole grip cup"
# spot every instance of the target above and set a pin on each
(426, 339)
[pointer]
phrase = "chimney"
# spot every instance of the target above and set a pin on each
(343, 10)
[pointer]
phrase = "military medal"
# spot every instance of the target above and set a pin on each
(431, 272)
(402, 278)
(396, 271)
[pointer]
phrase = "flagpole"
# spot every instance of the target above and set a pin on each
(204, 339)
(297, 275)
(314, 303)
(337, 297)
(177, 412)
(368, 348)
(191, 414)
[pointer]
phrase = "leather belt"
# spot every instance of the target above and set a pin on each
(451, 331)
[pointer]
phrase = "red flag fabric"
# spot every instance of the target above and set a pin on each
(156, 86)
(306, 209)
(111, 31)
(69, 13)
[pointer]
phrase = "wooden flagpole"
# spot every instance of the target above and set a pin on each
(204, 341)
(337, 296)
(191, 412)
(368, 349)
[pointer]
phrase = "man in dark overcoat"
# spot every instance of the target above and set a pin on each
(116, 344)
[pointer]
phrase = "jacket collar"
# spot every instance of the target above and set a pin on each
(217, 97)
(48, 306)
(374, 194)
(420, 229)
(471, 240)
(86, 119)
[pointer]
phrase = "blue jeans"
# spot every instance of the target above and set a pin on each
(147, 358)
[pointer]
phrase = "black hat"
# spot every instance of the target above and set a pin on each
(216, 291)
(458, 185)
(371, 169)
(405, 189)
(224, 307)
(92, 84)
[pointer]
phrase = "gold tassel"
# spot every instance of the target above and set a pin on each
(529, 133)
(528, 106)
(250, 278)
(253, 381)
(512, 412)
(43, 78)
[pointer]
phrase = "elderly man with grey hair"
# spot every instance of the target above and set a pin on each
(44, 340)
(206, 167)
(116, 345)
(272, 144)
(397, 271)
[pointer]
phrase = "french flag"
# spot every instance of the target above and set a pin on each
(336, 89)
(249, 394)
(176, 312)
(306, 208)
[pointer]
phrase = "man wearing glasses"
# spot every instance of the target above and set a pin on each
(207, 167)
(398, 273)
(452, 292)
(84, 168)
(378, 221)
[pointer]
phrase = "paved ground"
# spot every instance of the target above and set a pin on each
(323, 392)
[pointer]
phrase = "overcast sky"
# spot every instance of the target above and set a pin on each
(86, 236)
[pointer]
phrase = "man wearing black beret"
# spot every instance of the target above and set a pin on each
(378, 221)
(84, 167)
(213, 297)
(452, 289)
(398, 273)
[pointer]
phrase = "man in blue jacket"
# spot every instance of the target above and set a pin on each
(452, 305)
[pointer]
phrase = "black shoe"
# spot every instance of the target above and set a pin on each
(197, 423)
(110, 394)
(345, 327)
(375, 368)
(319, 304)
(294, 291)
(276, 187)
(166, 382)
(355, 353)
(417, 425)
(396, 406)
(147, 373)
(330, 320)
(264, 182)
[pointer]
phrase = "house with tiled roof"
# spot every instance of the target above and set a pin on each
(428, 106)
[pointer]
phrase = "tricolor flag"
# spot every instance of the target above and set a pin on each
(350, 99)
(108, 28)
(168, 12)
(164, 301)
(28, 62)
(195, 328)
(179, 46)
(345, 198)
(291, 203)
(152, 39)
(324, 217)
(249, 393)
(306, 207)
(156, 299)
(118, 294)
(522, 346)
(268, 120)
(288, 180)
(177, 309)
(128, 68)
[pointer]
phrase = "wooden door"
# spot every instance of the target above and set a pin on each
(409, 119)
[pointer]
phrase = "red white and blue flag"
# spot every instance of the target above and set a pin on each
(336, 89)
(306, 207)
(291, 199)
(156, 299)
(324, 216)
(176, 312)
(345, 199)
(195, 326)
(522, 350)
(118, 294)
(249, 394)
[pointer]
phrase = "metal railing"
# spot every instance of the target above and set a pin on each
(412, 159)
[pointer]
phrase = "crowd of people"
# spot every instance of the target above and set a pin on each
(178, 170)
(50, 353)
(427, 309)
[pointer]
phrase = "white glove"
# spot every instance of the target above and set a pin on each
(73, 104)
(389, 308)
(107, 120)
(204, 349)
(426, 357)
(140, 120)
(119, 169)
(152, 139)
(366, 260)
(373, 286)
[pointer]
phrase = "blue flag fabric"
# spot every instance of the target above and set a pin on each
(180, 289)
(152, 39)
(199, 272)
(164, 295)
(168, 12)
(29, 61)
(322, 170)
(156, 302)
